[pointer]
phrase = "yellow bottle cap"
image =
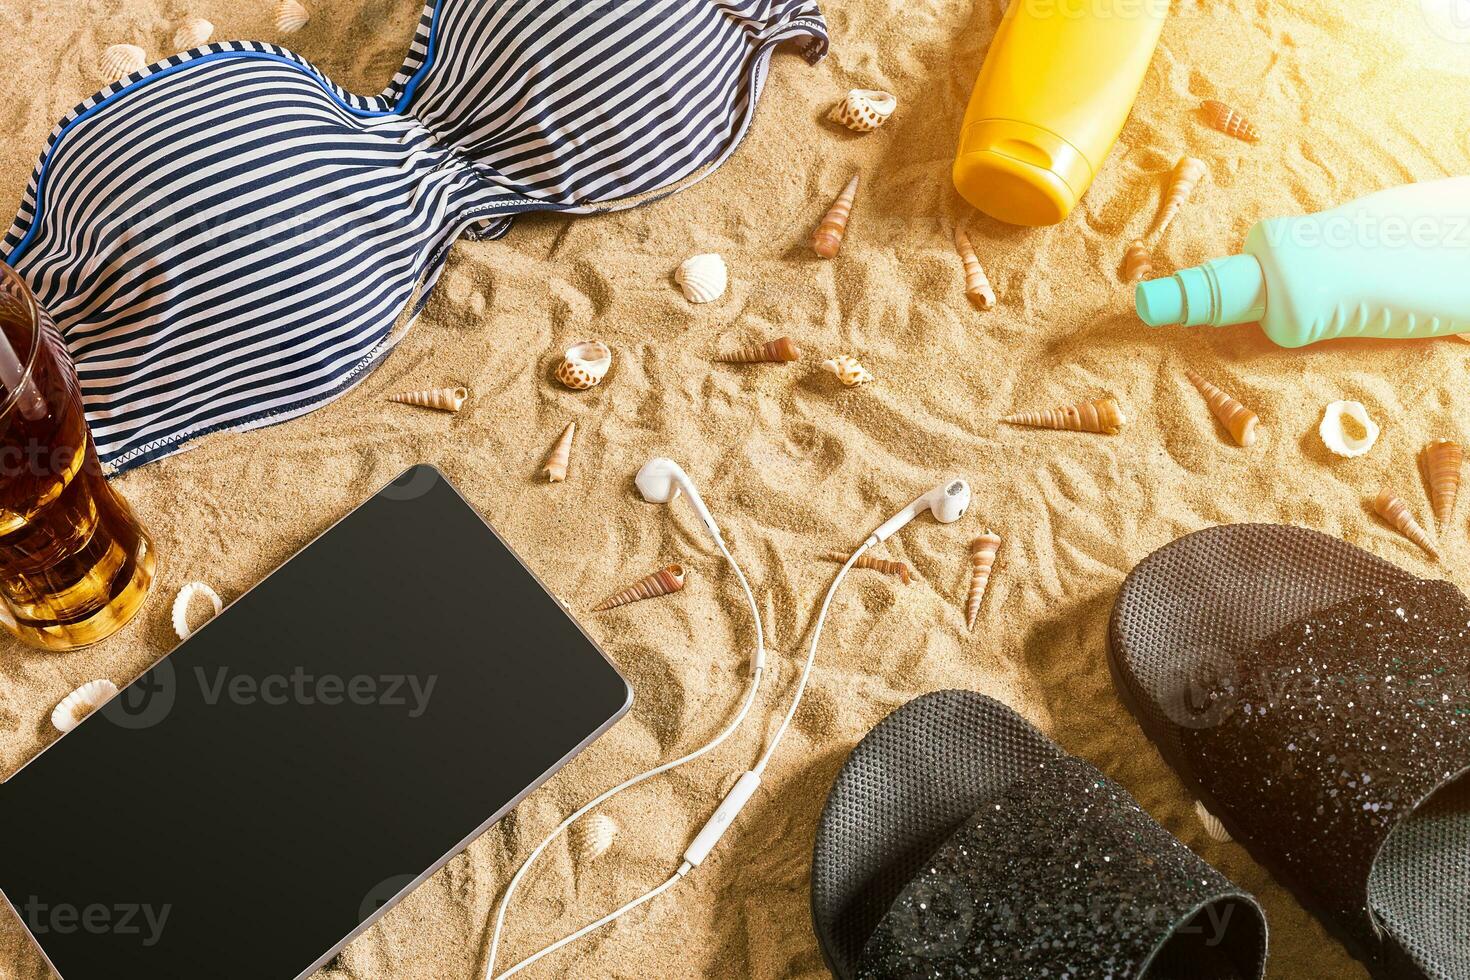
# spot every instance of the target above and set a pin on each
(1020, 173)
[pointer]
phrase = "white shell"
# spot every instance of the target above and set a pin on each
(121, 60)
(590, 838)
(290, 16)
(847, 369)
(1211, 823)
(584, 365)
(864, 109)
(1337, 439)
(80, 703)
(192, 33)
(703, 278)
(181, 606)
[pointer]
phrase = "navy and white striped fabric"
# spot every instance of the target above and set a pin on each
(227, 239)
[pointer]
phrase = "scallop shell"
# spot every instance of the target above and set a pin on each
(977, 284)
(1187, 174)
(1102, 415)
(1238, 420)
(1138, 263)
(442, 399)
(1440, 463)
(180, 614)
(703, 278)
(864, 109)
(590, 838)
(662, 582)
(1393, 510)
(982, 559)
(827, 239)
(121, 60)
(1213, 827)
(883, 566)
(781, 350)
(555, 468)
(1338, 439)
(192, 33)
(847, 369)
(290, 16)
(584, 365)
(77, 705)
(1229, 122)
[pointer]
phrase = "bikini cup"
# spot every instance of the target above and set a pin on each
(227, 239)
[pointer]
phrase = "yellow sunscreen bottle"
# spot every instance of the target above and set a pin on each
(1055, 90)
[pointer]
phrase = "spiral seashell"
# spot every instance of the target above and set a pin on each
(192, 33)
(591, 837)
(1187, 174)
(1440, 463)
(1102, 415)
(1238, 420)
(180, 612)
(777, 351)
(121, 60)
(440, 399)
(662, 582)
(977, 285)
(883, 566)
(76, 706)
(584, 365)
(291, 16)
(1347, 430)
(827, 239)
(864, 109)
(1229, 122)
(703, 278)
(1393, 510)
(982, 559)
(1213, 827)
(555, 467)
(1138, 263)
(847, 369)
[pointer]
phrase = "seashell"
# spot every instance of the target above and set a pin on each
(1440, 463)
(121, 60)
(1353, 438)
(584, 365)
(881, 565)
(1229, 122)
(290, 16)
(1213, 827)
(1393, 510)
(1138, 263)
(1102, 415)
(977, 285)
(703, 278)
(982, 558)
(77, 705)
(661, 582)
(193, 33)
(555, 467)
(1238, 420)
(590, 838)
(774, 352)
(1187, 173)
(186, 595)
(864, 109)
(442, 399)
(827, 239)
(847, 369)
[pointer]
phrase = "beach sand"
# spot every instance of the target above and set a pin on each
(1351, 97)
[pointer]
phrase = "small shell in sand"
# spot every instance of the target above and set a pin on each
(80, 703)
(440, 399)
(180, 613)
(584, 365)
(121, 60)
(1187, 173)
(1229, 122)
(864, 109)
(555, 468)
(982, 559)
(977, 284)
(782, 350)
(1347, 430)
(290, 16)
(1213, 827)
(1102, 415)
(827, 239)
(1440, 463)
(847, 369)
(703, 278)
(1138, 263)
(591, 837)
(882, 566)
(1393, 510)
(192, 33)
(662, 582)
(1238, 420)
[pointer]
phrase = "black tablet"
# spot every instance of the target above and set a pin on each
(265, 792)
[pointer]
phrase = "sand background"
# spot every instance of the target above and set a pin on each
(1352, 97)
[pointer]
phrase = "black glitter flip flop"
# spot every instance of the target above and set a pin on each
(1316, 700)
(958, 841)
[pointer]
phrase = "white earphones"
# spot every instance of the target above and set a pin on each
(661, 479)
(947, 502)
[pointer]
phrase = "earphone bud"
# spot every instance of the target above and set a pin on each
(661, 479)
(947, 502)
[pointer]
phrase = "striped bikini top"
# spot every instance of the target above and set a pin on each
(226, 239)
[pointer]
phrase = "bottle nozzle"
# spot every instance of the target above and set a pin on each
(1218, 293)
(1160, 302)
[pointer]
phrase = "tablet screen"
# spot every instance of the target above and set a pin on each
(306, 758)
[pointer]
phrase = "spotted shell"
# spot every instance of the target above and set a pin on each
(291, 16)
(192, 33)
(864, 109)
(848, 370)
(703, 278)
(121, 60)
(584, 365)
(77, 705)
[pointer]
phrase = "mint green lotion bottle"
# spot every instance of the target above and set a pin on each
(1392, 264)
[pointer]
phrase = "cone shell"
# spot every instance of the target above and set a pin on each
(662, 582)
(847, 369)
(77, 705)
(1187, 174)
(441, 399)
(827, 239)
(591, 837)
(703, 278)
(1393, 510)
(977, 284)
(982, 559)
(1229, 122)
(121, 60)
(1337, 436)
(1138, 263)
(584, 365)
(883, 566)
(864, 109)
(1238, 420)
(1213, 827)
(192, 33)
(1440, 463)
(290, 16)
(555, 468)
(1102, 415)
(774, 352)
